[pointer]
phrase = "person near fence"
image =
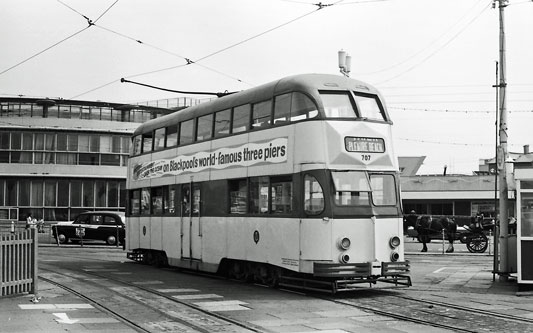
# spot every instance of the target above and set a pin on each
(29, 221)
(423, 229)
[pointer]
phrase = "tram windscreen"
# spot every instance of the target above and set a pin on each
(383, 190)
(368, 107)
(351, 188)
(338, 105)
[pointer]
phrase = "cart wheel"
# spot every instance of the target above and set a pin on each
(478, 244)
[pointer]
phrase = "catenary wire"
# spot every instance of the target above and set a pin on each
(425, 48)
(438, 49)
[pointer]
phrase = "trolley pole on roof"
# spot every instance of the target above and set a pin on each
(502, 152)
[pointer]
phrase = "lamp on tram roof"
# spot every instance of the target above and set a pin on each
(345, 63)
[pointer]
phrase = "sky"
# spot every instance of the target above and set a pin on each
(433, 61)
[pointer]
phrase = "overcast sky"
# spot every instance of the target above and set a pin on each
(434, 61)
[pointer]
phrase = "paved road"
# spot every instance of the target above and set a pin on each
(460, 279)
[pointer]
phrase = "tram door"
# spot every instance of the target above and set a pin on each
(191, 235)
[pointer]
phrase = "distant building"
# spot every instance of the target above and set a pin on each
(458, 195)
(61, 157)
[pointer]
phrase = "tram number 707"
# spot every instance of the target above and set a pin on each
(365, 157)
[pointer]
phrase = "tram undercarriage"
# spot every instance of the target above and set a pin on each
(327, 277)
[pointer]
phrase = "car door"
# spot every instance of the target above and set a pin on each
(94, 229)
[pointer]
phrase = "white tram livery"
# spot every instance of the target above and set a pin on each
(291, 183)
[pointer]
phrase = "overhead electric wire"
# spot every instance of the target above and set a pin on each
(42, 51)
(425, 48)
(440, 48)
(90, 23)
(189, 61)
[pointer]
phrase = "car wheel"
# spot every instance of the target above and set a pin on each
(111, 240)
(62, 239)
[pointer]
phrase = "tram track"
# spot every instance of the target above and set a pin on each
(178, 315)
(436, 314)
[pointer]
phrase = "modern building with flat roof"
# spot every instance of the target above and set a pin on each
(61, 157)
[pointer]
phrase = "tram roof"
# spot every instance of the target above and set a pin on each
(306, 83)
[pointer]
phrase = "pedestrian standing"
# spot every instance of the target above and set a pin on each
(409, 221)
(423, 231)
(29, 221)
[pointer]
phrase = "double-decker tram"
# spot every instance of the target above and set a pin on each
(294, 182)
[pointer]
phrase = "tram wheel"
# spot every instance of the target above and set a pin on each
(239, 271)
(267, 275)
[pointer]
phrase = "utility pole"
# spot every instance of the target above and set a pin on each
(503, 153)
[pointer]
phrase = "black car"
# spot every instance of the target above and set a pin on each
(105, 226)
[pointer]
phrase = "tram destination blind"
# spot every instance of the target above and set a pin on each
(364, 145)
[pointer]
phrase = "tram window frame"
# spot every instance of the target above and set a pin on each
(346, 196)
(238, 194)
(362, 111)
(225, 128)
(157, 200)
(262, 113)
(147, 142)
(342, 113)
(385, 192)
(302, 111)
(169, 200)
(256, 200)
(281, 183)
(159, 139)
(135, 202)
(311, 186)
(146, 202)
(282, 109)
(185, 128)
(204, 127)
(244, 125)
(172, 133)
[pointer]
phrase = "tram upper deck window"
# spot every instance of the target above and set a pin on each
(147, 142)
(222, 123)
(261, 113)
(293, 107)
(205, 127)
(383, 190)
(351, 188)
(368, 107)
(241, 119)
(171, 136)
(136, 145)
(338, 105)
(186, 132)
(159, 139)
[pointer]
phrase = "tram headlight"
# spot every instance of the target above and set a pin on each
(394, 256)
(394, 242)
(344, 258)
(344, 243)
